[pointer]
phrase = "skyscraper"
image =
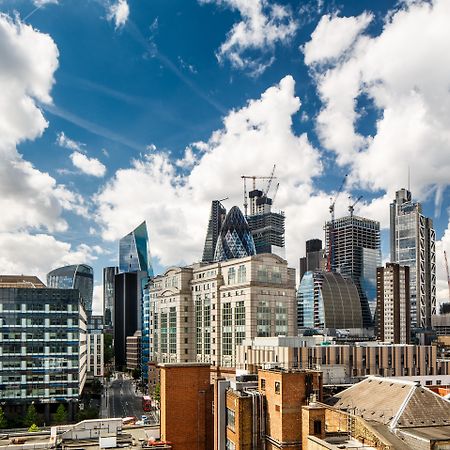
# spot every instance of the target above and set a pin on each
(79, 276)
(235, 239)
(216, 219)
(413, 244)
(134, 251)
(108, 295)
(267, 227)
(314, 259)
(393, 304)
(357, 254)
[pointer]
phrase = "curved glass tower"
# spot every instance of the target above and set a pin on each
(79, 276)
(235, 238)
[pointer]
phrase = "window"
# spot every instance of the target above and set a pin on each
(263, 384)
(277, 387)
(231, 275)
(230, 445)
(317, 427)
(230, 419)
(242, 274)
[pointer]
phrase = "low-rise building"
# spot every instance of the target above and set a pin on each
(133, 349)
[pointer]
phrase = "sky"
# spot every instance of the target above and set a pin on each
(117, 111)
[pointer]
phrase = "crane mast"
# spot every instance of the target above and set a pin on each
(448, 274)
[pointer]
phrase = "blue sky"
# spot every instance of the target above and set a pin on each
(116, 111)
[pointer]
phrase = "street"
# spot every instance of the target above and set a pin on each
(120, 399)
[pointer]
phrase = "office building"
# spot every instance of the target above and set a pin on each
(235, 239)
(413, 244)
(127, 311)
(353, 245)
(108, 295)
(216, 219)
(134, 251)
(43, 346)
(145, 358)
(201, 312)
(134, 351)
(95, 347)
(186, 406)
(393, 304)
(315, 258)
(79, 276)
(327, 300)
(340, 364)
(267, 227)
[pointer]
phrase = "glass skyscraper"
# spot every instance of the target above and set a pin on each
(413, 244)
(134, 251)
(79, 276)
(356, 254)
(235, 238)
(108, 295)
(216, 218)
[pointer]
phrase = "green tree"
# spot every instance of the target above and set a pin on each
(157, 392)
(108, 348)
(31, 416)
(136, 373)
(33, 428)
(3, 421)
(60, 416)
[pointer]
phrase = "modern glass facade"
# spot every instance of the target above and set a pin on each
(79, 276)
(134, 251)
(43, 346)
(235, 239)
(108, 295)
(413, 245)
(216, 218)
(328, 300)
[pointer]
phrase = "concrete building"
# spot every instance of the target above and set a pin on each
(393, 317)
(42, 345)
(202, 312)
(186, 406)
(340, 364)
(413, 244)
(95, 346)
(133, 355)
(353, 244)
(441, 324)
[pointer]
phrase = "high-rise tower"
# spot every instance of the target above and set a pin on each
(413, 244)
(216, 218)
(357, 254)
(134, 251)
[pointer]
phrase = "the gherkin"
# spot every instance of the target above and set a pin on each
(235, 238)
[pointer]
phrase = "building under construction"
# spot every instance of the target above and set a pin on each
(356, 253)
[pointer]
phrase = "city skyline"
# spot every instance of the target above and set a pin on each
(124, 120)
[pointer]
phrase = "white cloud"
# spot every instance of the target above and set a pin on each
(37, 255)
(176, 206)
(89, 166)
(32, 198)
(97, 301)
(118, 12)
(63, 141)
(403, 75)
(263, 25)
(334, 35)
(44, 2)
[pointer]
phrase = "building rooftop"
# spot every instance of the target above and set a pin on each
(397, 403)
(20, 281)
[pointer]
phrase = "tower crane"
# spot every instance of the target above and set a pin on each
(275, 193)
(270, 180)
(330, 259)
(351, 208)
(254, 178)
(448, 274)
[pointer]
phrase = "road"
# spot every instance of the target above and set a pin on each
(121, 400)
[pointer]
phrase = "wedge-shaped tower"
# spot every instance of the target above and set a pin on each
(235, 238)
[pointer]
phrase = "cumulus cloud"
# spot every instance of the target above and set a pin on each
(63, 141)
(402, 76)
(176, 203)
(334, 35)
(118, 13)
(89, 166)
(263, 25)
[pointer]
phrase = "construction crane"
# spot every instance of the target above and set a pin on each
(351, 208)
(448, 274)
(330, 259)
(254, 178)
(275, 193)
(270, 180)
